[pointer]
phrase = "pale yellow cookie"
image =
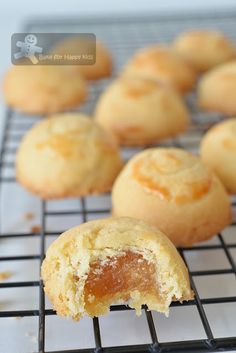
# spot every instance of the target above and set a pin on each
(113, 260)
(140, 111)
(205, 49)
(217, 89)
(43, 89)
(162, 64)
(102, 67)
(67, 155)
(171, 189)
(218, 151)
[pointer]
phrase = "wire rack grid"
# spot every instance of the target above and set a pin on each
(122, 36)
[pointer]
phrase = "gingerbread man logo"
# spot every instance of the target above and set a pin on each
(28, 48)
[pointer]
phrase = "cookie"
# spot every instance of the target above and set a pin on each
(43, 89)
(220, 141)
(113, 260)
(171, 189)
(216, 89)
(102, 67)
(67, 155)
(140, 111)
(162, 64)
(205, 49)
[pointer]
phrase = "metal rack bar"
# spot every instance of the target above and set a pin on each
(201, 310)
(41, 335)
(227, 253)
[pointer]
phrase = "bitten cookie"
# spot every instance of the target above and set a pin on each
(102, 67)
(217, 89)
(67, 155)
(43, 89)
(205, 49)
(140, 111)
(218, 151)
(162, 64)
(113, 260)
(171, 189)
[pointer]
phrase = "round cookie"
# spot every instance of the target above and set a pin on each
(139, 111)
(171, 189)
(102, 67)
(113, 260)
(218, 151)
(67, 155)
(162, 64)
(216, 89)
(204, 49)
(43, 89)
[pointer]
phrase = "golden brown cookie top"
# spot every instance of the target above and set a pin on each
(67, 155)
(225, 134)
(66, 135)
(157, 58)
(136, 87)
(225, 72)
(173, 174)
(205, 48)
(42, 76)
(204, 38)
(216, 89)
(215, 39)
(163, 64)
(43, 89)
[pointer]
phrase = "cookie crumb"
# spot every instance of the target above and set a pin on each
(32, 336)
(35, 229)
(29, 216)
(5, 275)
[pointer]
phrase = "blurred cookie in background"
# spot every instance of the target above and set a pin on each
(141, 111)
(102, 67)
(218, 151)
(43, 89)
(163, 64)
(67, 155)
(205, 49)
(217, 89)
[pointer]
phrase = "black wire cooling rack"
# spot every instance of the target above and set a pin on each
(123, 36)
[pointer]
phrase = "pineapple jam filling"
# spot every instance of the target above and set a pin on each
(116, 277)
